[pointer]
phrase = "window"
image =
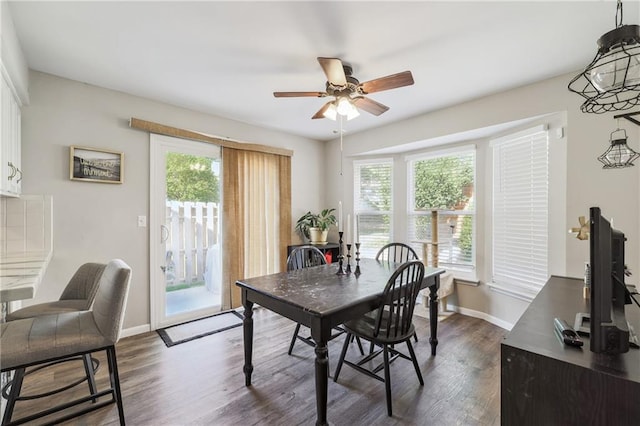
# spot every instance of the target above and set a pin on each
(520, 212)
(444, 181)
(373, 204)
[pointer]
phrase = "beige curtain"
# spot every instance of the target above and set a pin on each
(256, 217)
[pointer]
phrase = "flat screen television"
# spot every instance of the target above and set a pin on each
(608, 328)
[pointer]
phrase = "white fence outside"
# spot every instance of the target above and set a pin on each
(192, 246)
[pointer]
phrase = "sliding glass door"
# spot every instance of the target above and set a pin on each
(185, 236)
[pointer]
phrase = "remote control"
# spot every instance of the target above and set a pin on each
(568, 334)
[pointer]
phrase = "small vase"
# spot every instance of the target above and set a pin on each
(318, 236)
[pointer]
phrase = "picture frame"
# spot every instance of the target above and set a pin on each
(95, 165)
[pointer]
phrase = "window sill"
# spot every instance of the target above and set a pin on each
(463, 277)
(517, 293)
(473, 282)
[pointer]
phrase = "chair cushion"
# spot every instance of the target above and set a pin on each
(33, 340)
(57, 307)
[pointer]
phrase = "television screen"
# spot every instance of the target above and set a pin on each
(608, 328)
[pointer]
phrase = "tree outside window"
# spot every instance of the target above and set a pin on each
(192, 178)
(445, 183)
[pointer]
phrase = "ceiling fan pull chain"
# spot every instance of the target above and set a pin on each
(341, 149)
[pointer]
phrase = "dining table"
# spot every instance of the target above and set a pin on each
(321, 298)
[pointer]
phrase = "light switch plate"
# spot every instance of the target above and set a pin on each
(142, 221)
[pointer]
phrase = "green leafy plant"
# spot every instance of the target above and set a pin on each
(190, 178)
(322, 220)
(436, 187)
(466, 237)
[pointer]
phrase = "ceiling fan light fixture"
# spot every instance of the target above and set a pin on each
(611, 82)
(331, 112)
(353, 113)
(619, 154)
(346, 108)
(344, 105)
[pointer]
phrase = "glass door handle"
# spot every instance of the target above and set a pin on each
(164, 234)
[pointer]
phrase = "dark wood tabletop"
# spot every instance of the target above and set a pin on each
(321, 299)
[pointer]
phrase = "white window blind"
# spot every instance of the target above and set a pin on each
(444, 181)
(521, 212)
(373, 206)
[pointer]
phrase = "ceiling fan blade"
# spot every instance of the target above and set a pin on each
(320, 113)
(299, 94)
(389, 82)
(334, 71)
(369, 105)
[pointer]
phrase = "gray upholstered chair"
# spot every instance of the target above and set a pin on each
(78, 295)
(390, 329)
(42, 339)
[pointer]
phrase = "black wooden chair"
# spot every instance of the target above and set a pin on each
(396, 253)
(391, 326)
(304, 257)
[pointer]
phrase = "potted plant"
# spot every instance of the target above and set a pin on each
(315, 226)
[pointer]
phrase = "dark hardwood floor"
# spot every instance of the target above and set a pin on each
(201, 382)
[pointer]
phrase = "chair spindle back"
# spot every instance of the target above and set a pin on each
(396, 253)
(399, 300)
(305, 257)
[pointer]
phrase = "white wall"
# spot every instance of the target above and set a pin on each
(617, 192)
(97, 222)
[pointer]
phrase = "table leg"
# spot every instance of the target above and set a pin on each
(247, 326)
(433, 314)
(322, 381)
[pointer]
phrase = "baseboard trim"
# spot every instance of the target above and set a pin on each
(132, 331)
(482, 315)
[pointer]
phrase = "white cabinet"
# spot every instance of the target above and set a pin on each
(10, 168)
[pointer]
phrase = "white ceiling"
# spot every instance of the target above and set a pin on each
(227, 58)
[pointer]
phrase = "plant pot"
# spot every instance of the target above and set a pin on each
(318, 236)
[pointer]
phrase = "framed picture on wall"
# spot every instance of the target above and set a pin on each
(95, 165)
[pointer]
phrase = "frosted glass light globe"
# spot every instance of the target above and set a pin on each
(617, 68)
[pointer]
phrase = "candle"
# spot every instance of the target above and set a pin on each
(355, 229)
(348, 239)
(340, 224)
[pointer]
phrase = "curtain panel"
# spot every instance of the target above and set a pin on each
(256, 217)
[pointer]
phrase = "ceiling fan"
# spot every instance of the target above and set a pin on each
(348, 92)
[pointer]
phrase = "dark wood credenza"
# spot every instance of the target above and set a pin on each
(544, 382)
